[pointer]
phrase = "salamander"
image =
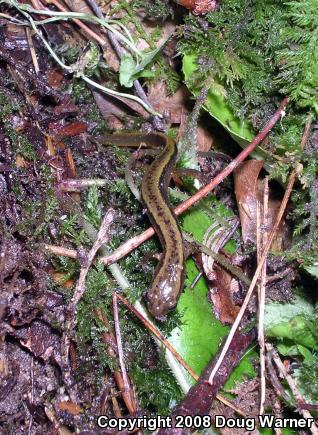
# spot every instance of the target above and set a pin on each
(168, 278)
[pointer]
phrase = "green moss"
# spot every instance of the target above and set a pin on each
(80, 92)
(71, 231)
(157, 390)
(93, 207)
(19, 142)
(299, 58)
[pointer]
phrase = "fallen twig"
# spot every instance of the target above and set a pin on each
(262, 229)
(32, 51)
(127, 385)
(61, 251)
(198, 400)
(102, 238)
(276, 384)
(133, 243)
(218, 258)
(159, 335)
(110, 342)
(76, 185)
(80, 24)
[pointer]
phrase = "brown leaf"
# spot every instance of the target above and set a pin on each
(174, 106)
(223, 296)
(73, 129)
(245, 179)
(55, 78)
(67, 107)
(116, 105)
(21, 162)
(199, 7)
(79, 6)
(249, 190)
(59, 278)
(70, 407)
(204, 139)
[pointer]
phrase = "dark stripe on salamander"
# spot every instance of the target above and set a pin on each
(168, 278)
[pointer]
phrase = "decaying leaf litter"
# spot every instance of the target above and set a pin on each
(70, 349)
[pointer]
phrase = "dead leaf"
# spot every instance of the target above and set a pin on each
(50, 147)
(199, 7)
(41, 340)
(223, 296)
(249, 190)
(70, 407)
(110, 105)
(73, 129)
(55, 78)
(204, 139)
(174, 106)
(79, 6)
(59, 278)
(66, 107)
(21, 162)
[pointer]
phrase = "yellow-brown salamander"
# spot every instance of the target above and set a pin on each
(168, 278)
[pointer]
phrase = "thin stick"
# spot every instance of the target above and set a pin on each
(298, 396)
(166, 343)
(272, 234)
(276, 384)
(32, 394)
(61, 251)
(120, 352)
(116, 408)
(32, 51)
(102, 238)
(261, 301)
(78, 184)
(110, 340)
(133, 243)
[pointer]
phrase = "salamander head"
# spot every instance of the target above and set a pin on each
(160, 300)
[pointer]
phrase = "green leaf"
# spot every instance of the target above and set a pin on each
(199, 337)
(288, 348)
(277, 313)
(297, 330)
(195, 346)
(126, 70)
(130, 70)
(305, 353)
(217, 106)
